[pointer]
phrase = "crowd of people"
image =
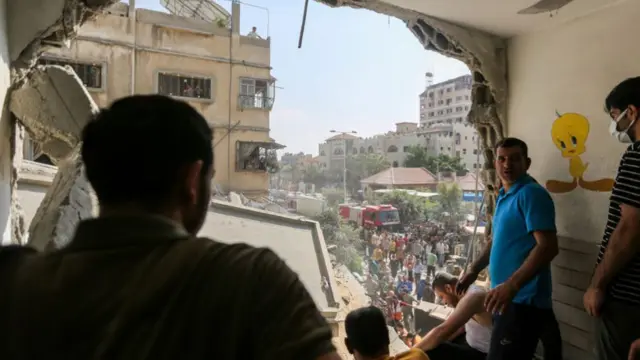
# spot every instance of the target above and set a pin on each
(401, 268)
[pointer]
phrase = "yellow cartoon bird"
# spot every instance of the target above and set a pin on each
(569, 133)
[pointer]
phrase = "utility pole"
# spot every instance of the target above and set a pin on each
(344, 163)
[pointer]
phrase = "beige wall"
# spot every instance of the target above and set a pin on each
(571, 69)
(187, 47)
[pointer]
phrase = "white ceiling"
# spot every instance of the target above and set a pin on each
(501, 17)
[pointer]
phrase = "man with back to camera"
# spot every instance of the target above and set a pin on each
(613, 296)
(136, 283)
(469, 317)
(368, 337)
(519, 258)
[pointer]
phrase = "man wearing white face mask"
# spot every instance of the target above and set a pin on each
(614, 294)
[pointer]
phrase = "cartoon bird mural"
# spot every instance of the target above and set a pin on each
(569, 133)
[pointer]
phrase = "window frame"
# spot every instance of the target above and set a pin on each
(211, 78)
(270, 84)
(87, 62)
(263, 144)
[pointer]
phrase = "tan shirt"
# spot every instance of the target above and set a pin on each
(142, 288)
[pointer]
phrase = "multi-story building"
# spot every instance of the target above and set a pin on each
(443, 120)
(393, 145)
(199, 57)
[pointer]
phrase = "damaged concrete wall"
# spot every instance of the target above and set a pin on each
(52, 105)
(486, 56)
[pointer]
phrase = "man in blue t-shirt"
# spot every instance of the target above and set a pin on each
(519, 258)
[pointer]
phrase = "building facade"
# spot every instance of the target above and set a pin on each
(393, 146)
(223, 74)
(443, 120)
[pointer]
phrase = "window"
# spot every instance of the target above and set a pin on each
(89, 73)
(256, 156)
(370, 149)
(448, 89)
(430, 113)
(440, 102)
(31, 150)
(422, 116)
(362, 150)
(441, 148)
(448, 101)
(449, 111)
(405, 149)
(448, 149)
(466, 108)
(184, 86)
(475, 166)
(338, 151)
(322, 153)
(458, 139)
(395, 164)
(256, 94)
(458, 153)
(466, 97)
(392, 149)
(458, 108)
(464, 151)
(465, 138)
(355, 151)
(475, 152)
(458, 98)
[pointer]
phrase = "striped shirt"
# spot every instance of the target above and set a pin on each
(626, 286)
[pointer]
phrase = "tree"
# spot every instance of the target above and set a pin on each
(410, 207)
(450, 202)
(346, 238)
(312, 174)
(362, 166)
(418, 157)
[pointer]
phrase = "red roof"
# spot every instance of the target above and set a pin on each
(401, 176)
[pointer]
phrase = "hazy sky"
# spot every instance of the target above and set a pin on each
(357, 70)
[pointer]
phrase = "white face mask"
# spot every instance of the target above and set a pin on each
(621, 135)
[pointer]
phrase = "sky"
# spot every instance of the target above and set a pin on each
(356, 71)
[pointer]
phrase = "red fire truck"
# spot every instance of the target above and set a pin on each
(371, 216)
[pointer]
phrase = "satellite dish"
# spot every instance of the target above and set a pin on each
(544, 6)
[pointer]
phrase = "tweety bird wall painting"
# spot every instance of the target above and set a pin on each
(569, 133)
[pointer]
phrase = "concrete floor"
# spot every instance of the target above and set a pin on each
(296, 243)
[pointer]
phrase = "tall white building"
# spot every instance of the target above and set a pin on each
(393, 145)
(443, 120)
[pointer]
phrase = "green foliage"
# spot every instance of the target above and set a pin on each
(410, 207)
(450, 202)
(312, 174)
(346, 238)
(431, 210)
(418, 157)
(362, 166)
(333, 196)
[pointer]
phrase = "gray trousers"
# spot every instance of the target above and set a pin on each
(616, 328)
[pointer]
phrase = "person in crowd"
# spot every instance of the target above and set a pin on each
(394, 309)
(385, 242)
(409, 263)
(420, 289)
(371, 286)
(469, 317)
(405, 283)
(613, 296)
(392, 246)
(400, 254)
(418, 269)
(519, 258)
(407, 308)
(378, 254)
(417, 248)
(447, 250)
(432, 259)
(368, 337)
(136, 282)
(394, 265)
(440, 252)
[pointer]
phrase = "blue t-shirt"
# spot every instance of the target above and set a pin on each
(525, 208)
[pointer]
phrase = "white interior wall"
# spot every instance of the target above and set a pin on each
(572, 69)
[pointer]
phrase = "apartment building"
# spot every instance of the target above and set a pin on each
(393, 145)
(200, 57)
(443, 119)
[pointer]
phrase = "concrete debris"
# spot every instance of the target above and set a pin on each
(69, 200)
(54, 23)
(53, 105)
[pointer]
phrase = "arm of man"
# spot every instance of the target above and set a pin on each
(469, 305)
(471, 274)
(540, 217)
(287, 323)
(624, 242)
